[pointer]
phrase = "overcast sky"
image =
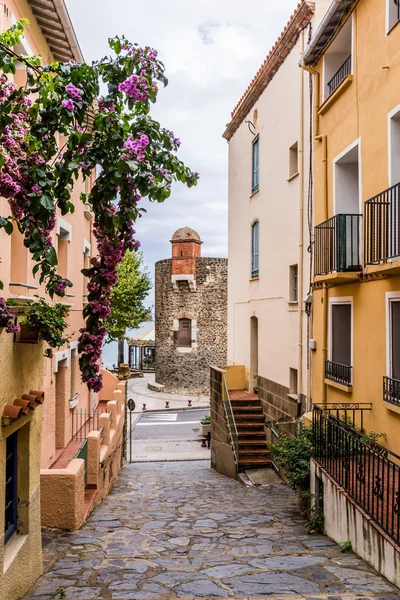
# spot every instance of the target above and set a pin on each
(211, 50)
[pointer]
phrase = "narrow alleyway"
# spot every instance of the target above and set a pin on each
(179, 530)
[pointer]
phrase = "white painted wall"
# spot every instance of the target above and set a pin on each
(276, 206)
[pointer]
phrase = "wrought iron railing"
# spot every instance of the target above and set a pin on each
(220, 394)
(391, 391)
(368, 472)
(230, 418)
(337, 244)
(340, 75)
(83, 453)
(382, 226)
(83, 422)
(338, 373)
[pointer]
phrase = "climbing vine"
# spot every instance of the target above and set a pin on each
(59, 128)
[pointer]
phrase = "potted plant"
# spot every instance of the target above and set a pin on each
(205, 425)
(43, 321)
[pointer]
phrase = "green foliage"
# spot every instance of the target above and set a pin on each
(346, 547)
(49, 320)
(316, 520)
(206, 420)
(61, 593)
(128, 295)
(293, 455)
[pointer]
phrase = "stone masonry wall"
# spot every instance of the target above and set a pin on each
(187, 370)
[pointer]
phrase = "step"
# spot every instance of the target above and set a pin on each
(247, 424)
(254, 451)
(257, 409)
(246, 401)
(256, 433)
(255, 418)
(254, 463)
(259, 443)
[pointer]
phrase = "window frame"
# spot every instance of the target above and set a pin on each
(390, 26)
(255, 170)
(293, 158)
(184, 319)
(255, 254)
(390, 298)
(332, 302)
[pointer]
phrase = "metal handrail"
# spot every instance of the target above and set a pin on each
(230, 418)
(381, 226)
(338, 244)
(340, 75)
(102, 437)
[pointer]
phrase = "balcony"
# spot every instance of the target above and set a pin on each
(341, 374)
(382, 228)
(391, 391)
(339, 76)
(337, 246)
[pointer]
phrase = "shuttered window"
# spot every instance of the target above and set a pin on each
(395, 341)
(10, 513)
(185, 333)
(341, 334)
(254, 249)
(255, 184)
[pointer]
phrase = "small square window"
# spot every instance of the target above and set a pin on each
(293, 160)
(393, 13)
(294, 284)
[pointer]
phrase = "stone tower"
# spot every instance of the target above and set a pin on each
(190, 315)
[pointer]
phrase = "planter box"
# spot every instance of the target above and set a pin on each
(204, 429)
(27, 335)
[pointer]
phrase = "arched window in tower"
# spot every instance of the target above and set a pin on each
(185, 333)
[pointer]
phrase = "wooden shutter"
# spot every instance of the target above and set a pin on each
(341, 334)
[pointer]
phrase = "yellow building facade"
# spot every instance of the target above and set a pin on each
(354, 57)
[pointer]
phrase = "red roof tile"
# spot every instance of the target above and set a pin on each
(276, 57)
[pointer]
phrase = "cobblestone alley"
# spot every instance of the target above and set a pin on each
(180, 530)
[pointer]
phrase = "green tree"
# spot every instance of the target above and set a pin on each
(127, 298)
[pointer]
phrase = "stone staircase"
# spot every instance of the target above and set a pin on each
(249, 417)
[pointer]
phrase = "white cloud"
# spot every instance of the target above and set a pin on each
(211, 50)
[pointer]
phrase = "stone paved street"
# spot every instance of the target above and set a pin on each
(179, 530)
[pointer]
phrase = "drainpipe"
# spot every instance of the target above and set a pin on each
(323, 138)
(316, 96)
(301, 242)
(65, 19)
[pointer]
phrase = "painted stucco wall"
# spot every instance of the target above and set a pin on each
(277, 116)
(361, 113)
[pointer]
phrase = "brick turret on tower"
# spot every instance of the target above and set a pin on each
(186, 247)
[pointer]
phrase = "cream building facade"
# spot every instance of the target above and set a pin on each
(269, 264)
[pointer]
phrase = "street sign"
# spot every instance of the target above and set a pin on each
(131, 404)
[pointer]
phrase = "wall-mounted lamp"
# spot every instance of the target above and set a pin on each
(252, 127)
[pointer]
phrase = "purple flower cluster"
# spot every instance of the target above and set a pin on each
(137, 87)
(7, 318)
(74, 92)
(135, 148)
(68, 105)
(105, 105)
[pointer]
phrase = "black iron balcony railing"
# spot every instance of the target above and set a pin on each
(366, 471)
(339, 373)
(382, 226)
(337, 244)
(340, 75)
(391, 391)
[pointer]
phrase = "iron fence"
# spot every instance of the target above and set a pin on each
(340, 75)
(83, 422)
(337, 244)
(382, 226)
(339, 373)
(391, 391)
(367, 471)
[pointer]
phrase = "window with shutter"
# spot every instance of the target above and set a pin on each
(10, 512)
